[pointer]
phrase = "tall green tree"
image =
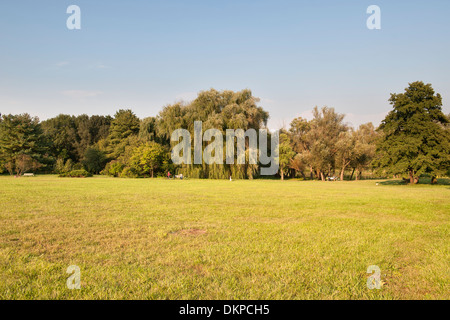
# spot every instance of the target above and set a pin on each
(365, 148)
(298, 131)
(124, 126)
(321, 139)
(22, 144)
(219, 110)
(414, 135)
(94, 160)
(69, 137)
(61, 133)
(90, 130)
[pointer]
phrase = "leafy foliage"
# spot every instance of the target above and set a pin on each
(94, 160)
(415, 137)
(286, 154)
(76, 174)
(148, 158)
(22, 146)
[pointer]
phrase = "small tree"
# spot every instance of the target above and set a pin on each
(94, 160)
(24, 162)
(148, 158)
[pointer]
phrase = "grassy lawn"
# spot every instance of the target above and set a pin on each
(206, 239)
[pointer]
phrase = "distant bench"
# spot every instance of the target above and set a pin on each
(28, 174)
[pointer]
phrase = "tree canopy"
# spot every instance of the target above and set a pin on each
(415, 138)
(22, 145)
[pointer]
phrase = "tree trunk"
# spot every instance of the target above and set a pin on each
(351, 177)
(433, 180)
(322, 176)
(282, 174)
(411, 176)
(152, 173)
(342, 174)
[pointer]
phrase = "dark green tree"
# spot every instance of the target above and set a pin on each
(61, 133)
(125, 125)
(22, 145)
(94, 160)
(90, 130)
(415, 138)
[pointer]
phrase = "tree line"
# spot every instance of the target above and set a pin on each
(413, 139)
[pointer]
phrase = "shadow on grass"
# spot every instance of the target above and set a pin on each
(397, 182)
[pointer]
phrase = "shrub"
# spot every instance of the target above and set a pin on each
(62, 166)
(76, 174)
(113, 168)
(59, 166)
(129, 173)
(78, 166)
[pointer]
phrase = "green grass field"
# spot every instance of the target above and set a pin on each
(206, 239)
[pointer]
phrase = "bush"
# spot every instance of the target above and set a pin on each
(113, 168)
(129, 173)
(78, 166)
(62, 166)
(76, 174)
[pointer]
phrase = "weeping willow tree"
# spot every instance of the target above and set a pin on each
(219, 110)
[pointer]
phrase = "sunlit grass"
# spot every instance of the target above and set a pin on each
(206, 239)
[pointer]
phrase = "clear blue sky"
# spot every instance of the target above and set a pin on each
(292, 54)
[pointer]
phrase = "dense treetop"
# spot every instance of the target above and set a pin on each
(415, 138)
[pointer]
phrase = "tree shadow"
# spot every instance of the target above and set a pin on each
(444, 181)
(395, 182)
(424, 180)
